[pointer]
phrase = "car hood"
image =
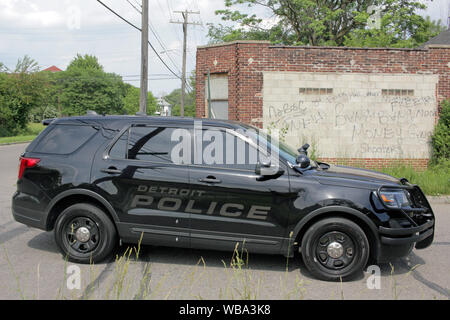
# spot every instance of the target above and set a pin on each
(355, 177)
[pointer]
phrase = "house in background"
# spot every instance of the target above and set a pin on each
(442, 39)
(53, 69)
(165, 108)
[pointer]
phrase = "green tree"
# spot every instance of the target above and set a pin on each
(131, 101)
(48, 105)
(174, 98)
(26, 65)
(85, 86)
(19, 94)
(3, 68)
(393, 34)
(441, 137)
(327, 22)
(85, 62)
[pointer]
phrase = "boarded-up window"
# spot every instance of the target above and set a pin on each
(219, 95)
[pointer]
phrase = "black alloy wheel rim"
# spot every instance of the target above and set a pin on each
(335, 250)
(82, 235)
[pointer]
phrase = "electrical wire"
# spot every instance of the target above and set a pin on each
(137, 28)
(134, 6)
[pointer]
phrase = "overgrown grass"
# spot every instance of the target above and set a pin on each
(28, 134)
(434, 181)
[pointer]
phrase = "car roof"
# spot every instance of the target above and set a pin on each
(120, 121)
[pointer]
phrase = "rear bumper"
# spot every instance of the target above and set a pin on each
(26, 210)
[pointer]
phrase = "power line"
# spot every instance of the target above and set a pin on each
(151, 28)
(157, 37)
(135, 8)
(163, 46)
(119, 16)
(185, 24)
(137, 28)
(138, 4)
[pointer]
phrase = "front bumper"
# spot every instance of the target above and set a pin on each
(402, 236)
(408, 227)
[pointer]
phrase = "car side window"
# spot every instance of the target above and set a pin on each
(119, 150)
(65, 139)
(223, 149)
(153, 144)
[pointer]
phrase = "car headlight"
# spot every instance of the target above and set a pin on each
(395, 198)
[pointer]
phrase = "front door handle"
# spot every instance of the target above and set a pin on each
(210, 180)
(112, 170)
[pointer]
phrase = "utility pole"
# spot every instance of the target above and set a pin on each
(185, 24)
(144, 59)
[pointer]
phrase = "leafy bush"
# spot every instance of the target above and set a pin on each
(19, 94)
(433, 181)
(441, 137)
(43, 112)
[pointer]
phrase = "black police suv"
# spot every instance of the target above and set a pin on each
(195, 183)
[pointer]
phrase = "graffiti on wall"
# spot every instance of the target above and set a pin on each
(357, 118)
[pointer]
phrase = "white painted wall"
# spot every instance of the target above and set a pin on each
(356, 120)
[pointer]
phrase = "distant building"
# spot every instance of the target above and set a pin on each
(53, 69)
(165, 108)
(442, 39)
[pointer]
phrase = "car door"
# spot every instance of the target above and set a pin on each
(146, 188)
(231, 204)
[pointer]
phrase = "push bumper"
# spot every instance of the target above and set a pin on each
(402, 236)
(399, 242)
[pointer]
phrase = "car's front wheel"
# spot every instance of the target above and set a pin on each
(85, 234)
(335, 248)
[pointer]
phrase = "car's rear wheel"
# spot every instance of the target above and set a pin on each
(85, 234)
(334, 249)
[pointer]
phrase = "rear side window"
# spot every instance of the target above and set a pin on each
(65, 139)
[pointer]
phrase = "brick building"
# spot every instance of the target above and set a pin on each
(364, 106)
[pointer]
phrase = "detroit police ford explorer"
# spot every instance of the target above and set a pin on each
(97, 179)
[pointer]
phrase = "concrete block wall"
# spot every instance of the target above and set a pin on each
(263, 76)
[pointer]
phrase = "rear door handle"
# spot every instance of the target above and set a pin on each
(112, 170)
(210, 180)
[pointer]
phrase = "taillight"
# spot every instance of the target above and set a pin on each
(26, 163)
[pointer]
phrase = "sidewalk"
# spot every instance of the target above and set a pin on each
(439, 199)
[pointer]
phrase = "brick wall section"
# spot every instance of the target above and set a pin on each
(244, 63)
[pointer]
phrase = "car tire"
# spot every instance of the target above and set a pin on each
(85, 234)
(335, 249)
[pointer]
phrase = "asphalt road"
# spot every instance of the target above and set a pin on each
(32, 268)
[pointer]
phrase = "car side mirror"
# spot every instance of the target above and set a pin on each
(304, 149)
(303, 161)
(261, 167)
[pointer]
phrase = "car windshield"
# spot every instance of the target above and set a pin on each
(274, 145)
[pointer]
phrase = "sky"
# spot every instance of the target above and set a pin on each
(53, 31)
